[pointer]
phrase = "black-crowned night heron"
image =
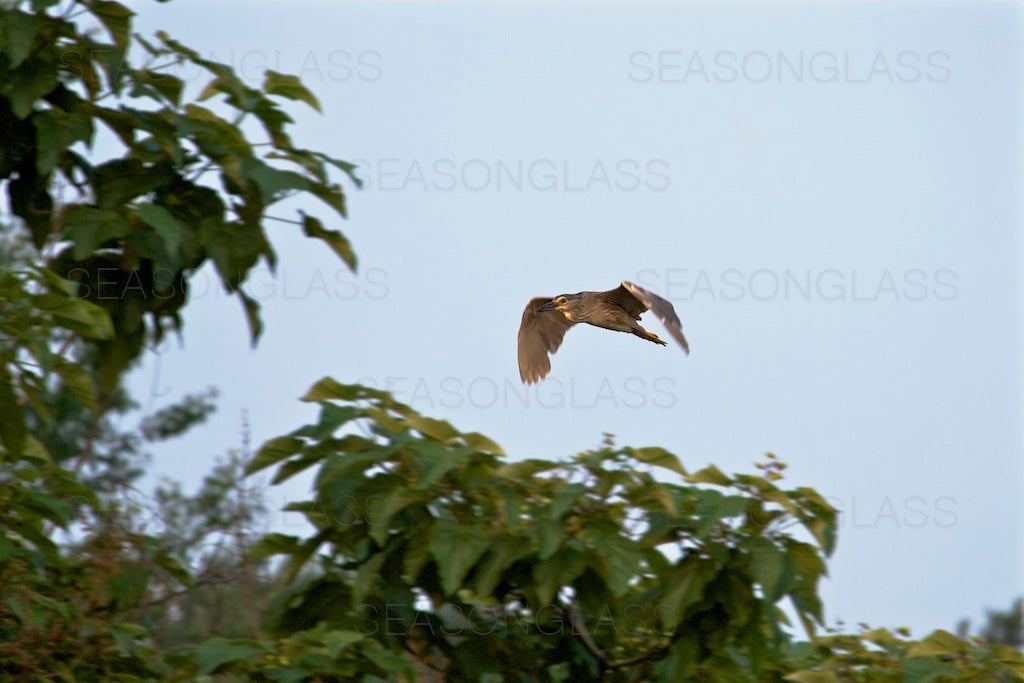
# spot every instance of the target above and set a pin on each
(546, 320)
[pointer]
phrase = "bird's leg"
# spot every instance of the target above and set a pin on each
(649, 336)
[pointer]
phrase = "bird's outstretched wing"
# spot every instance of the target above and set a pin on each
(539, 334)
(620, 296)
(661, 307)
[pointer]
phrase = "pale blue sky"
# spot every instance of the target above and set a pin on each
(827, 192)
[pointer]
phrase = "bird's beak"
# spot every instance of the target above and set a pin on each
(547, 307)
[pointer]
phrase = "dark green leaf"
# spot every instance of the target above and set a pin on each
(17, 31)
(252, 316)
(772, 568)
(165, 224)
(217, 652)
(55, 132)
(116, 18)
(78, 382)
(28, 83)
(274, 451)
(12, 415)
(273, 544)
(456, 548)
(926, 669)
(616, 559)
(88, 228)
(436, 460)
(684, 586)
(337, 641)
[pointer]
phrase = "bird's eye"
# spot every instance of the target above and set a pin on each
(562, 300)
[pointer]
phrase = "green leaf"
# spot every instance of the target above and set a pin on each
(685, 586)
(217, 652)
(28, 83)
(337, 641)
(88, 228)
(274, 451)
(366, 576)
(436, 460)
(713, 507)
(938, 643)
(771, 567)
(565, 497)
(338, 243)
(616, 561)
(116, 18)
(78, 382)
(329, 388)
(709, 475)
(659, 457)
(456, 548)
(343, 464)
(77, 315)
(332, 416)
(479, 442)
(168, 86)
(504, 551)
(438, 430)
(50, 508)
(120, 180)
(559, 570)
(55, 132)
(550, 534)
(285, 85)
(12, 415)
(271, 181)
(273, 544)
(252, 316)
(926, 669)
(17, 32)
(164, 223)
(125, 636)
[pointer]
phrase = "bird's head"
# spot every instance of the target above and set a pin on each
(567, 304)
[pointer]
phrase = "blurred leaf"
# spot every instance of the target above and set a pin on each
(77, 315)
(288, 86)
(12, 415)
(938, 643)
(337, 641)
(312, 227)
(620, 556)
(925, 670)
(164, 223)
(709, 475)
(274, 451)
(116, 18)
(217, 652)
(17, 32)
(659, 457)
(456, 549)
(482, 443)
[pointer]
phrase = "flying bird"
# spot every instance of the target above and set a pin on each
(546, 320)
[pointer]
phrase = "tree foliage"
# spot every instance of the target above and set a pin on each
(188, 186)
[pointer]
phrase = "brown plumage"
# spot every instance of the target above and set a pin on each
(546, 320)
